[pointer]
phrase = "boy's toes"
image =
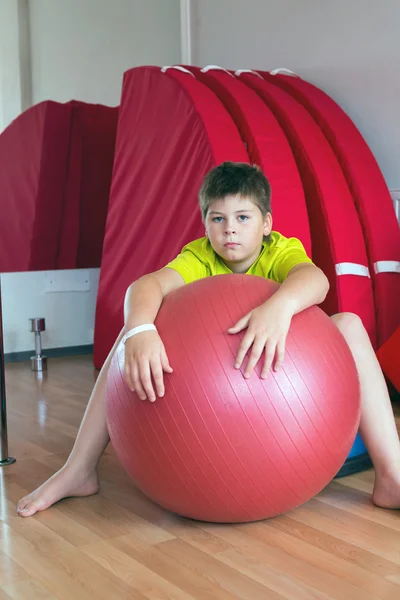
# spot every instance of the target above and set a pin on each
(21, 505)
(26, 508)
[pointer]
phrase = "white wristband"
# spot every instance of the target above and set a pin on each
(139, 329)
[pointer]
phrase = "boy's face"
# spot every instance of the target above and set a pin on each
(235, 227)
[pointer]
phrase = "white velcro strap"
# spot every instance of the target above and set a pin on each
(348, 268)
(240, 71)
(283, 71)
(387, 266)
(215, 68)
(139, 329)
(178, 68)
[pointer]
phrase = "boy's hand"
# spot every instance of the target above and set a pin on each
(267, 328)
(145, 362)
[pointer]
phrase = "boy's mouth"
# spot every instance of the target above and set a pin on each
(231, 245)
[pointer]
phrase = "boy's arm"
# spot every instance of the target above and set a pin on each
(145, 355)
(144, 297)
(268, 324)
(304, 286)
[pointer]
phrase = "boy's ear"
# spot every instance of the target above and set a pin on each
(268, 224)
(205, 227)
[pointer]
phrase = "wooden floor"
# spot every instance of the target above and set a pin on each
(118, 544)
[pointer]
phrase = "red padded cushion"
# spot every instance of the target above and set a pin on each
(55, 176)
(389, 358)
(335, 228)
(98, 130)
(69, 226)
(34, 152)
(267, 147)
(369, 191)
(87, 191)
(171, 130)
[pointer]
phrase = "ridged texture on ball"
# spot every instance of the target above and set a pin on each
(222, 448)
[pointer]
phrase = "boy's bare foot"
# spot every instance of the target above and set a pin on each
(386, 492)
(66, 482)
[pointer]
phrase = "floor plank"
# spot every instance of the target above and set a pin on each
(119, 544)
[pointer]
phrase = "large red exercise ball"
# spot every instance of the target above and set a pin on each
(219, 447)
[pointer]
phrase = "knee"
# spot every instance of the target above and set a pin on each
(349, 324)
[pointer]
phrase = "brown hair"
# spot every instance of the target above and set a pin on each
(235, 179)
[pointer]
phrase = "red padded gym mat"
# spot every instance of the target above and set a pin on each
(34, 151)
(171, 130)
(267, 147)
(389, 358)
(90, 162)
(55, 176)
(370, 194)
(338, 246)
(98, 130)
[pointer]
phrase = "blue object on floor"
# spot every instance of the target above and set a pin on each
(358, 447)
(357, 460)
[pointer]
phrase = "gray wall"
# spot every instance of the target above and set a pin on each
(349, 48)
(81, 48)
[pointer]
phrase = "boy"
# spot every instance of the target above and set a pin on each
(235, 206)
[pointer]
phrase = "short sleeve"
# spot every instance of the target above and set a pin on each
(189, 266)
(290, 254)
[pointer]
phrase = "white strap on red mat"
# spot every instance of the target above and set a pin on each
(283, 71)
(348, 268)
(240, 71)
(178, 68)
(387, 266)
(214, 68)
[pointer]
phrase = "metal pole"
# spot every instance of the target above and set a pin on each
(4, 458)
(186, 33)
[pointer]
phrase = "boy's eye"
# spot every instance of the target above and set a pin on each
(220, 219)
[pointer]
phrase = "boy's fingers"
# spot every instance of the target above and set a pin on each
(137, 383)
(254, 357)
(145, 378)
(128, 378)
(165, 362)
(244, 346)
(269, 357)
(157, 372)
(240, 325)
(280, 355)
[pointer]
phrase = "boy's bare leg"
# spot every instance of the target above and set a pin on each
(377, 425)
(78, 477)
